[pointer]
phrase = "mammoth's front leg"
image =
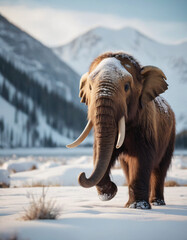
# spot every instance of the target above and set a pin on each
(106, 188)
(138, 174)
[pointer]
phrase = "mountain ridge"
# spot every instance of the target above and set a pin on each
(38, 93)
(21, 44)
(98, 28)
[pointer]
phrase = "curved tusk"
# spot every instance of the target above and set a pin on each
(83, 135)
(121, 132)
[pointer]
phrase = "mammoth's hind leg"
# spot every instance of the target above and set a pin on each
(158, 176)
(125, 167)
(157, 186)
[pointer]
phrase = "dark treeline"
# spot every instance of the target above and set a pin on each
(59, 113)
(19, 103)
(9, 139)
(181, 140)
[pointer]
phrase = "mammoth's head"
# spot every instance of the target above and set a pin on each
(115, 89)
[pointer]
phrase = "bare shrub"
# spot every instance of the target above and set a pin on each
(40, 208)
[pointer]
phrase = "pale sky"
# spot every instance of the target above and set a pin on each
(55, 22)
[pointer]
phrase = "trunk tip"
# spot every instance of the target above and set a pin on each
(84, 182)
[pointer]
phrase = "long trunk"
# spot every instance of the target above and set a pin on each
(105, 131)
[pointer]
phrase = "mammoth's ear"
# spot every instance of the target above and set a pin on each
(153, 83)
(84, 89)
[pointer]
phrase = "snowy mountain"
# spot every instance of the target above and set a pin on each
(37, 60)
(172, 59)
(39, 103)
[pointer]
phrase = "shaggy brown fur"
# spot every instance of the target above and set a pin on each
(146, 153)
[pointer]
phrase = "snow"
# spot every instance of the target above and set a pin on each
(104, 91)
(83, 216)
(49, 164)
(105, 197)
(46, 152)
(162, 104)
(4, 178)
(179, 162)
(110, 67)
(20, 165)
(44, 67)
(8, 114)
(158, 202)
(64, 169)
(82, 213)
(38, 61)
(65, 175)
(139, 205)
(127, 65)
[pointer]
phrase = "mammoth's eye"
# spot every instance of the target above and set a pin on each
(126, 87)
(90, 87)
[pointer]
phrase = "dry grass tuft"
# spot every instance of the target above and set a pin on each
(171, 184)
(40, 184)
(4, 185)
(34, 167)
(10, 237)
(40, 208)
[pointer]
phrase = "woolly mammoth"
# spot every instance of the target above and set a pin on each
(131, 123)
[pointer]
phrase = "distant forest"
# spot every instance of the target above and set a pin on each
(181, 140)
(60, 114)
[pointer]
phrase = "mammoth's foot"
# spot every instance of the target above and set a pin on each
(158, 202)
(139, 205)
(107, 192)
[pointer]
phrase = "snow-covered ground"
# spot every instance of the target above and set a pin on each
(63, 170)
(83, 216)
